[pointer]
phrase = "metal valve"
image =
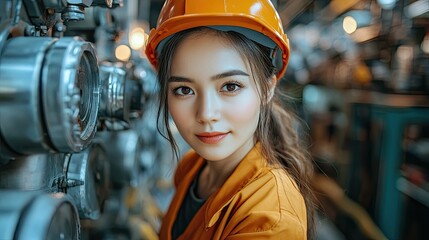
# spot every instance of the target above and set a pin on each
(49, 93)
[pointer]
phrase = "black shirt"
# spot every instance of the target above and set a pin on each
(190, 206)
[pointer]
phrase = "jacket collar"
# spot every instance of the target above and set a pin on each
(245, 171)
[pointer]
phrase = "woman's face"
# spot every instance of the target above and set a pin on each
(212, 98)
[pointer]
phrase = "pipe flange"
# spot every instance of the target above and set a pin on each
(71, 93)
(112, 104)
(37, 215)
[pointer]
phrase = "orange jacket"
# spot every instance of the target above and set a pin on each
(255, 202)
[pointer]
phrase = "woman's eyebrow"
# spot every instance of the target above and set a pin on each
(234, 72)
(230, 73)
(178, 79)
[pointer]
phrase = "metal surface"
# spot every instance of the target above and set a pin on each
(6, 154)
(71, 94)
(112, 98)
(91, 167)
(35, 172)
(55, 169)
(58, 5)
(20, 110)
(30, 215)
(123, 149)
(73, 13)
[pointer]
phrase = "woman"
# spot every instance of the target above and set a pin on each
(218, 63)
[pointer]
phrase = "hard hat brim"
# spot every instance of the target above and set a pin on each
(232, 21)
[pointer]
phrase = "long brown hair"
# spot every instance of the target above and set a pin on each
(277, 129)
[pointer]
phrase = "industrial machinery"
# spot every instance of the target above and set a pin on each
(73, 127)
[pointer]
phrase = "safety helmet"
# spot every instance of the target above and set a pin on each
(256, 19)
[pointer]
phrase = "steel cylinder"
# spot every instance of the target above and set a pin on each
(49, 94)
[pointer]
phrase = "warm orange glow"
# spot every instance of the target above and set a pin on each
(349, 25)
(123, 52)
(138, 38)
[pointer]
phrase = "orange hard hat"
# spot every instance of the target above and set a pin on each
(256, 19)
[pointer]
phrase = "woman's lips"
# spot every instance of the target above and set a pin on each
(211, 137)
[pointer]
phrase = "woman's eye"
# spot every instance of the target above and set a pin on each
(231, 87)
(183, 91)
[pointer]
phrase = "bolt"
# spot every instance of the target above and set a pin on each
(30, 30)
(62, 182)
(74, 183)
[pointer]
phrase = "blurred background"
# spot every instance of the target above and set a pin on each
(81, 158)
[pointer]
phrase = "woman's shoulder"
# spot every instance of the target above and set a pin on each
(278, 182)
(272, 202)
(275, 190)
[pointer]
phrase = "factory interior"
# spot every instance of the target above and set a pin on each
(81, 156)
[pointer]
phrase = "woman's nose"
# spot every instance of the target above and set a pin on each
(208, 108)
